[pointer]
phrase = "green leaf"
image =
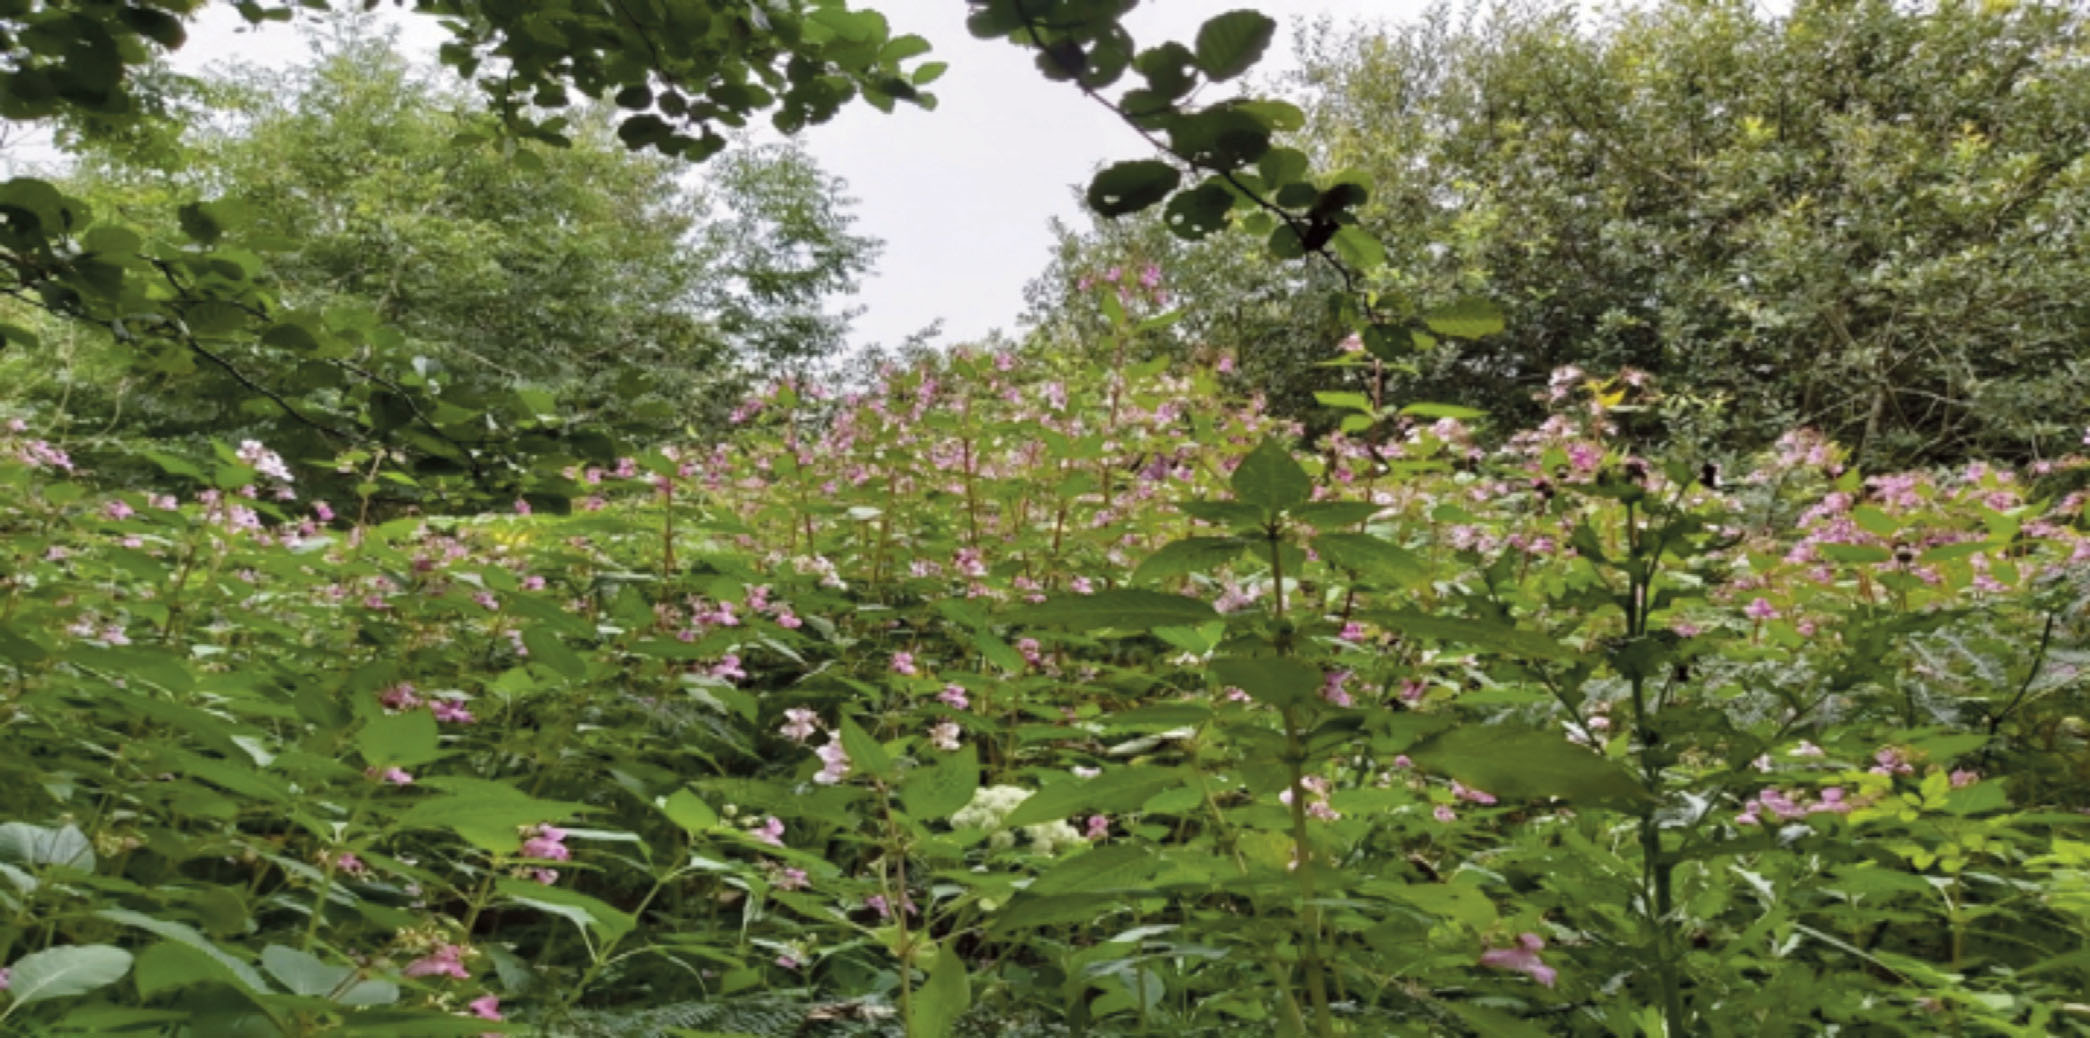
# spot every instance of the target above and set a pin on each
(1231, 43)
(1356, 247)
(547, 648)
(1199, 213)
(1226, 513)
(575, 907)
(1368, 556)
(405, 739)
(183, 934)
(944, 787)
(865, 753)
(1276, 680)
(945, 998)
(1335, 513)
(307, 974)
(1101, 869)
(1429, 410)
(1469, 318)
(1123, 608)
(168, 965)
(1117, 789)
(1483, 634)
(1520, 763)
(689, 811)
(488, 814)
(1271, 479)
(1350, 401)
(1189, 555)
(27, 844)
(64, 972)
(1128, 187)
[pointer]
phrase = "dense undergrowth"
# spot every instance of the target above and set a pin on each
(990, 693)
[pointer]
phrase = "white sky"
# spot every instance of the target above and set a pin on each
(961, 195)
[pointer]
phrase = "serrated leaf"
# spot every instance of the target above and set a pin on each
(1519, 763)
(581, 910)
(866, 754)
(1483, 634)
(943, 787)
(689, 812)
(944, 998)
(1123, 608)
(182, 933)
(403, 739)
(306, 974)
(1189, 555)
(1370, 556)
(1119, 789)
(1276, 680)
(1271, 479)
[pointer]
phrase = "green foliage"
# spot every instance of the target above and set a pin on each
(861, 704)
(1854, 217)
(1816, 216)
(589, 280)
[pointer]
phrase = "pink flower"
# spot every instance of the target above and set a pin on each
(1523, 958)
(396, 776)
(348, 864)
(1962, 777)
(118, 509)
(450, 711)
(903, 664)
(1098, 827)
(1444, 813)
(522, 507)
(799, 724)
(533, 583)
(486, 1007)
(834, 762)
(728, 667)
(1473, 795)
(792, 879)
(944, 736)
(1760, 609)
(399, 697)
(953, 696)
(546, 843)
(446, 961)
(771, 831)
(1332, 688)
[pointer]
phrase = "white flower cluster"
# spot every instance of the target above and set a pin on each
(991, 805)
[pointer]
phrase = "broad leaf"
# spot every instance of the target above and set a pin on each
(1271, 479)
(944, 786)
(64, 972)
(1231, 43)
(1128, 187)
(1519, 763)
(1276, 680)
(1124, 608)
(1189, 555)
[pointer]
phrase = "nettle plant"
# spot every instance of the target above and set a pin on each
(1090, 696)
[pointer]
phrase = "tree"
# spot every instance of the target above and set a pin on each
(1862, 216)
(600, 280)
(680, 69)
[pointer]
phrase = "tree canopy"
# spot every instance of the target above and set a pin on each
(1863, 217)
